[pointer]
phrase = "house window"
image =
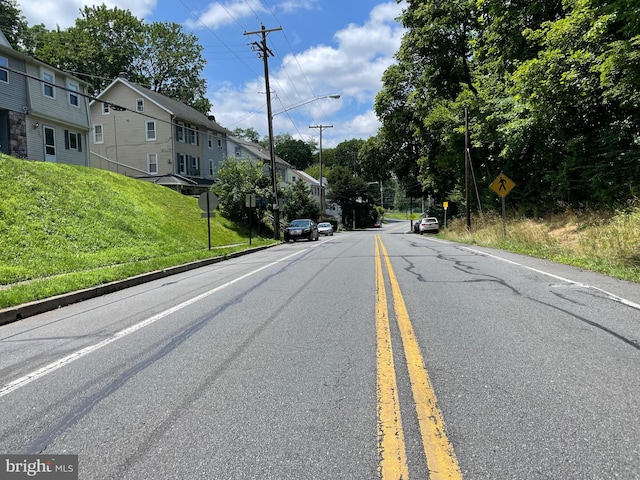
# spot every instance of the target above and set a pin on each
(49, 80)
(210, 141)
(106, 108)
(98, 134)
(140, 105)
(4, 70)
(220, 144)
(151, 130)
(195, 166)
(73, 89)
(182, 164)
(152, 163)
(193, 136)
(180, 132)
(211, 168)
(72, 141)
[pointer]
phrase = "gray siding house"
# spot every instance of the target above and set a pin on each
(44, 112)
(143, 134)
(254, 152)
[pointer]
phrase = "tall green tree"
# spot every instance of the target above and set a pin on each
(13, 23)
(102, 43)
(298, 202)
(296, 152)
(351, 194)
(170, 61)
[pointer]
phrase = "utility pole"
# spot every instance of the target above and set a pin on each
(264, 52)
(466, 166)
(321, 127)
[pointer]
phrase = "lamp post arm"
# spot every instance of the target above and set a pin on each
(306, 102)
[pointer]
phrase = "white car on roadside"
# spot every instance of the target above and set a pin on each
(325, 228)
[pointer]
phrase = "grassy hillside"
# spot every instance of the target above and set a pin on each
(64, 228)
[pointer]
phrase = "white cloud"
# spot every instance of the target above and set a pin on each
(353, 67)
(219, 14)
(63, 13)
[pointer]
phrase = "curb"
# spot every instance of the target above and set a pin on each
(20, 312)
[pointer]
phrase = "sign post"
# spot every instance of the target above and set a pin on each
(502, 185)
(445, 205)
(208, 202)
(250, 202)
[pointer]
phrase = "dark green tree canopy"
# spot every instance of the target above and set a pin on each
(13, 24)
(104, 42)
(551, 89)
(296, 152)
(298, 202)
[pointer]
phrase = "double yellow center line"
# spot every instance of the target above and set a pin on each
(440, 457)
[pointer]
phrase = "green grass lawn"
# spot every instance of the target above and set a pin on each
(64, 228)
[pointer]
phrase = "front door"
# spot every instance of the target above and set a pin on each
(49, 144)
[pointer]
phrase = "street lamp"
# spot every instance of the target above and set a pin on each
(304, 102)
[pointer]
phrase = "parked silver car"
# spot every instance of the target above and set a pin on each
(429, 224)
(325, 228)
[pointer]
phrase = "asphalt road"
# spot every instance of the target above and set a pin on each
(372, 354)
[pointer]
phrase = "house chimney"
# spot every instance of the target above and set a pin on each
(212, 118)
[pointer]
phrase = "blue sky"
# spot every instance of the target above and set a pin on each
(325, 47)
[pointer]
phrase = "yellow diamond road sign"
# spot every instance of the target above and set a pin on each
(502, 185)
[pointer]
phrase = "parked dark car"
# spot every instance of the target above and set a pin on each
(301, 228)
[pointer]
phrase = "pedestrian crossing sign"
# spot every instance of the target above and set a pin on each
(502, 185)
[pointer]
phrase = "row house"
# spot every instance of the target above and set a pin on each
(143, 134)
(247, 150)
(330, 209)
(44, 112)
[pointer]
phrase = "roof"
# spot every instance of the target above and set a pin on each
(306, 177)
(173, 107)
(169, 180)
(257, 150)
(5, 46)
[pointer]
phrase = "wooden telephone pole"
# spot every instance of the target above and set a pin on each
(264, 52)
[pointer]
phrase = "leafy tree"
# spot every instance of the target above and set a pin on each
(246, 134)
(103, 43)
(351, 194)
(236, 178)
(13, 23)
(296, 152)
(171, 62)
(550, 88)
(346, 155)
(298, 202)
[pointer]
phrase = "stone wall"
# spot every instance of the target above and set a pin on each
(17, 135)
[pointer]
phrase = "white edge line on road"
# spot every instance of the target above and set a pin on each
(612, 296)
(41, 372)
